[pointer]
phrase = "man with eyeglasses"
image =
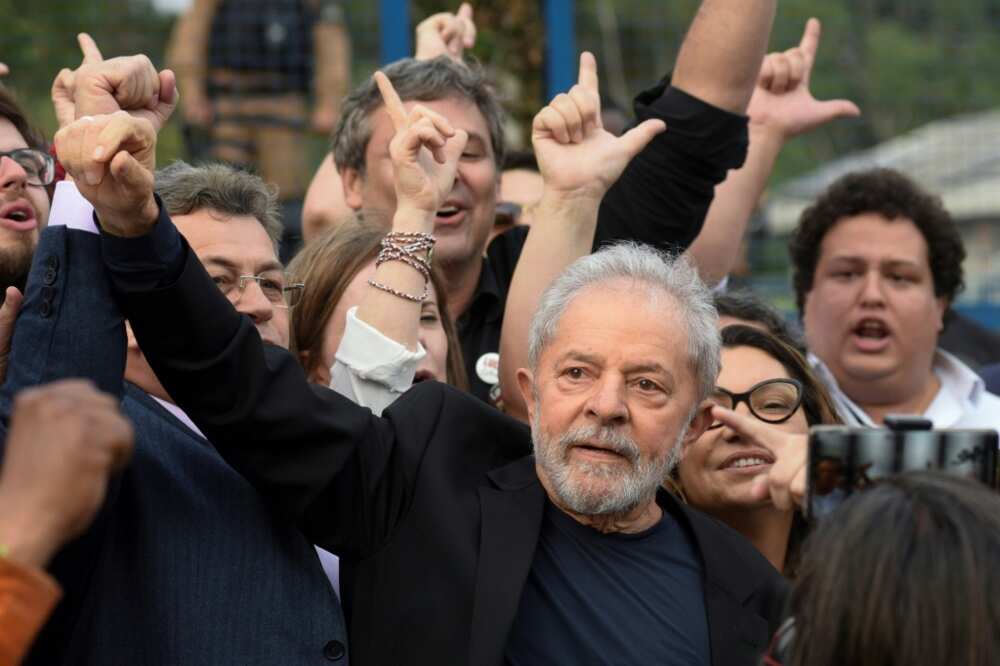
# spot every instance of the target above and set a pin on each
(184, 563)
(25, 170)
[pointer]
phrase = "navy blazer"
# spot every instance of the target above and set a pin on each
(185, 564)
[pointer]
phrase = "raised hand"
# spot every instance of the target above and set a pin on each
(4, 69)
(576, 155)
(8, 317)
(785, 482)
(425, 151)
(100, 87)
(112, 158)
(782, 101)
(446, 34)
(65, 440)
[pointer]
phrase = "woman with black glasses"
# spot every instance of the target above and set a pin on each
(763, 377)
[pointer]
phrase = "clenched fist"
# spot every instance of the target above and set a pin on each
(65, 440)
(112, 158)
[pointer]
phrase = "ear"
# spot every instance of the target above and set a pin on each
(699, 424)
(353, 183)
(941, 306)
(526, 384)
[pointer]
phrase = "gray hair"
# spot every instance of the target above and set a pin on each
(222, 188)
(674, 276)
(421, 81)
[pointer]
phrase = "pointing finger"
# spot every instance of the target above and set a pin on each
(393, 105)
(91, 53)
(810, 38)
(588, 72)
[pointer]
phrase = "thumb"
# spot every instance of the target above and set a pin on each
(130, 174)
(838, 108)
(8, 314)
(455, 146)
(638, 137)
(167, 99)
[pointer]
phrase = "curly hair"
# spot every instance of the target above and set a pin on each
(894, 196)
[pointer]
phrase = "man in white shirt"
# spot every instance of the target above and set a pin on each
(877, 262)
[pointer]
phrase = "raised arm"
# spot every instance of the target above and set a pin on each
(578, 160)
(664, 194)
(782, 107)
(376, 363)
(332, 71)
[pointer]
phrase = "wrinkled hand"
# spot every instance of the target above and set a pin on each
(100, 87)
(446, 34)
(576, 155)
(8, 317)
(785, 482)
(112, 158)
(65, 440)
(425, 151)
(782, 101)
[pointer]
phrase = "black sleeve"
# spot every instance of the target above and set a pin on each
(664, 193)
(338, 472)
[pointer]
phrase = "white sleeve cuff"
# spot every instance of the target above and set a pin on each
(375, 357)
(71, 210)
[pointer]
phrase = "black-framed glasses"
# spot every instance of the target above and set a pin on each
(771, 401)
(38, 164)
(281, 295)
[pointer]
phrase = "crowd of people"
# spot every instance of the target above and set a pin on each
(497, 409)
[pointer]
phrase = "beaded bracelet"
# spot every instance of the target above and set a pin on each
(401, 294)
(404, 246)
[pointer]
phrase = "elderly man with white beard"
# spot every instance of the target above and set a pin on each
(462, 547)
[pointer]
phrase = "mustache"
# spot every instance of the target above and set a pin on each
(611, 438)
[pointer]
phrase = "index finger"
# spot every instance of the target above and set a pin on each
(393, 105)
(91, 54)
(810, 38)
(747, 426)
(588, 72)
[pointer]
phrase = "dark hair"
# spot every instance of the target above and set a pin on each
(902, 573)
(893, 196)
(326, 265)
(816, 401)
(421, 81)
(748, 306)
(11, 110)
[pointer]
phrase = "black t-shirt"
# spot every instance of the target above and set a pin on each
(594, 598)
(661, 199)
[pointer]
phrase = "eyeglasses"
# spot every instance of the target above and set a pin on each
(38, 164)
(771, 401)
(275, 291)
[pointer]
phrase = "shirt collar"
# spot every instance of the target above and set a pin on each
(179, 414)
(488, 297)
(956, 378)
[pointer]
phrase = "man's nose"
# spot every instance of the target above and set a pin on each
(253, 303)
(607, 403)
(872, 293)
(12, 174)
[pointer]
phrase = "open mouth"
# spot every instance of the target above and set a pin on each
(872, 329)
(449, 213)
(20, 217)
(748, 462)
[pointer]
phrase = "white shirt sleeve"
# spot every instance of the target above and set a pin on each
(370, 368)
(70, 209)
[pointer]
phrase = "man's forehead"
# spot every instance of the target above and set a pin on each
(462, 113)
(898, 240)
(10, 138)
(239, 240)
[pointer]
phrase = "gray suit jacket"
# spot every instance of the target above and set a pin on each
(185, 564)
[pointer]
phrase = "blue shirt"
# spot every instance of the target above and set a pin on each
(594, 598)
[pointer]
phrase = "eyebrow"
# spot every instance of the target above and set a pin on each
(222, 262)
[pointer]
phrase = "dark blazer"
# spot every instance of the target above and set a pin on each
(436, 503)
(185, 564)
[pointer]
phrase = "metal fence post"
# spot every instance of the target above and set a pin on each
(395, 30)
(560, 46)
